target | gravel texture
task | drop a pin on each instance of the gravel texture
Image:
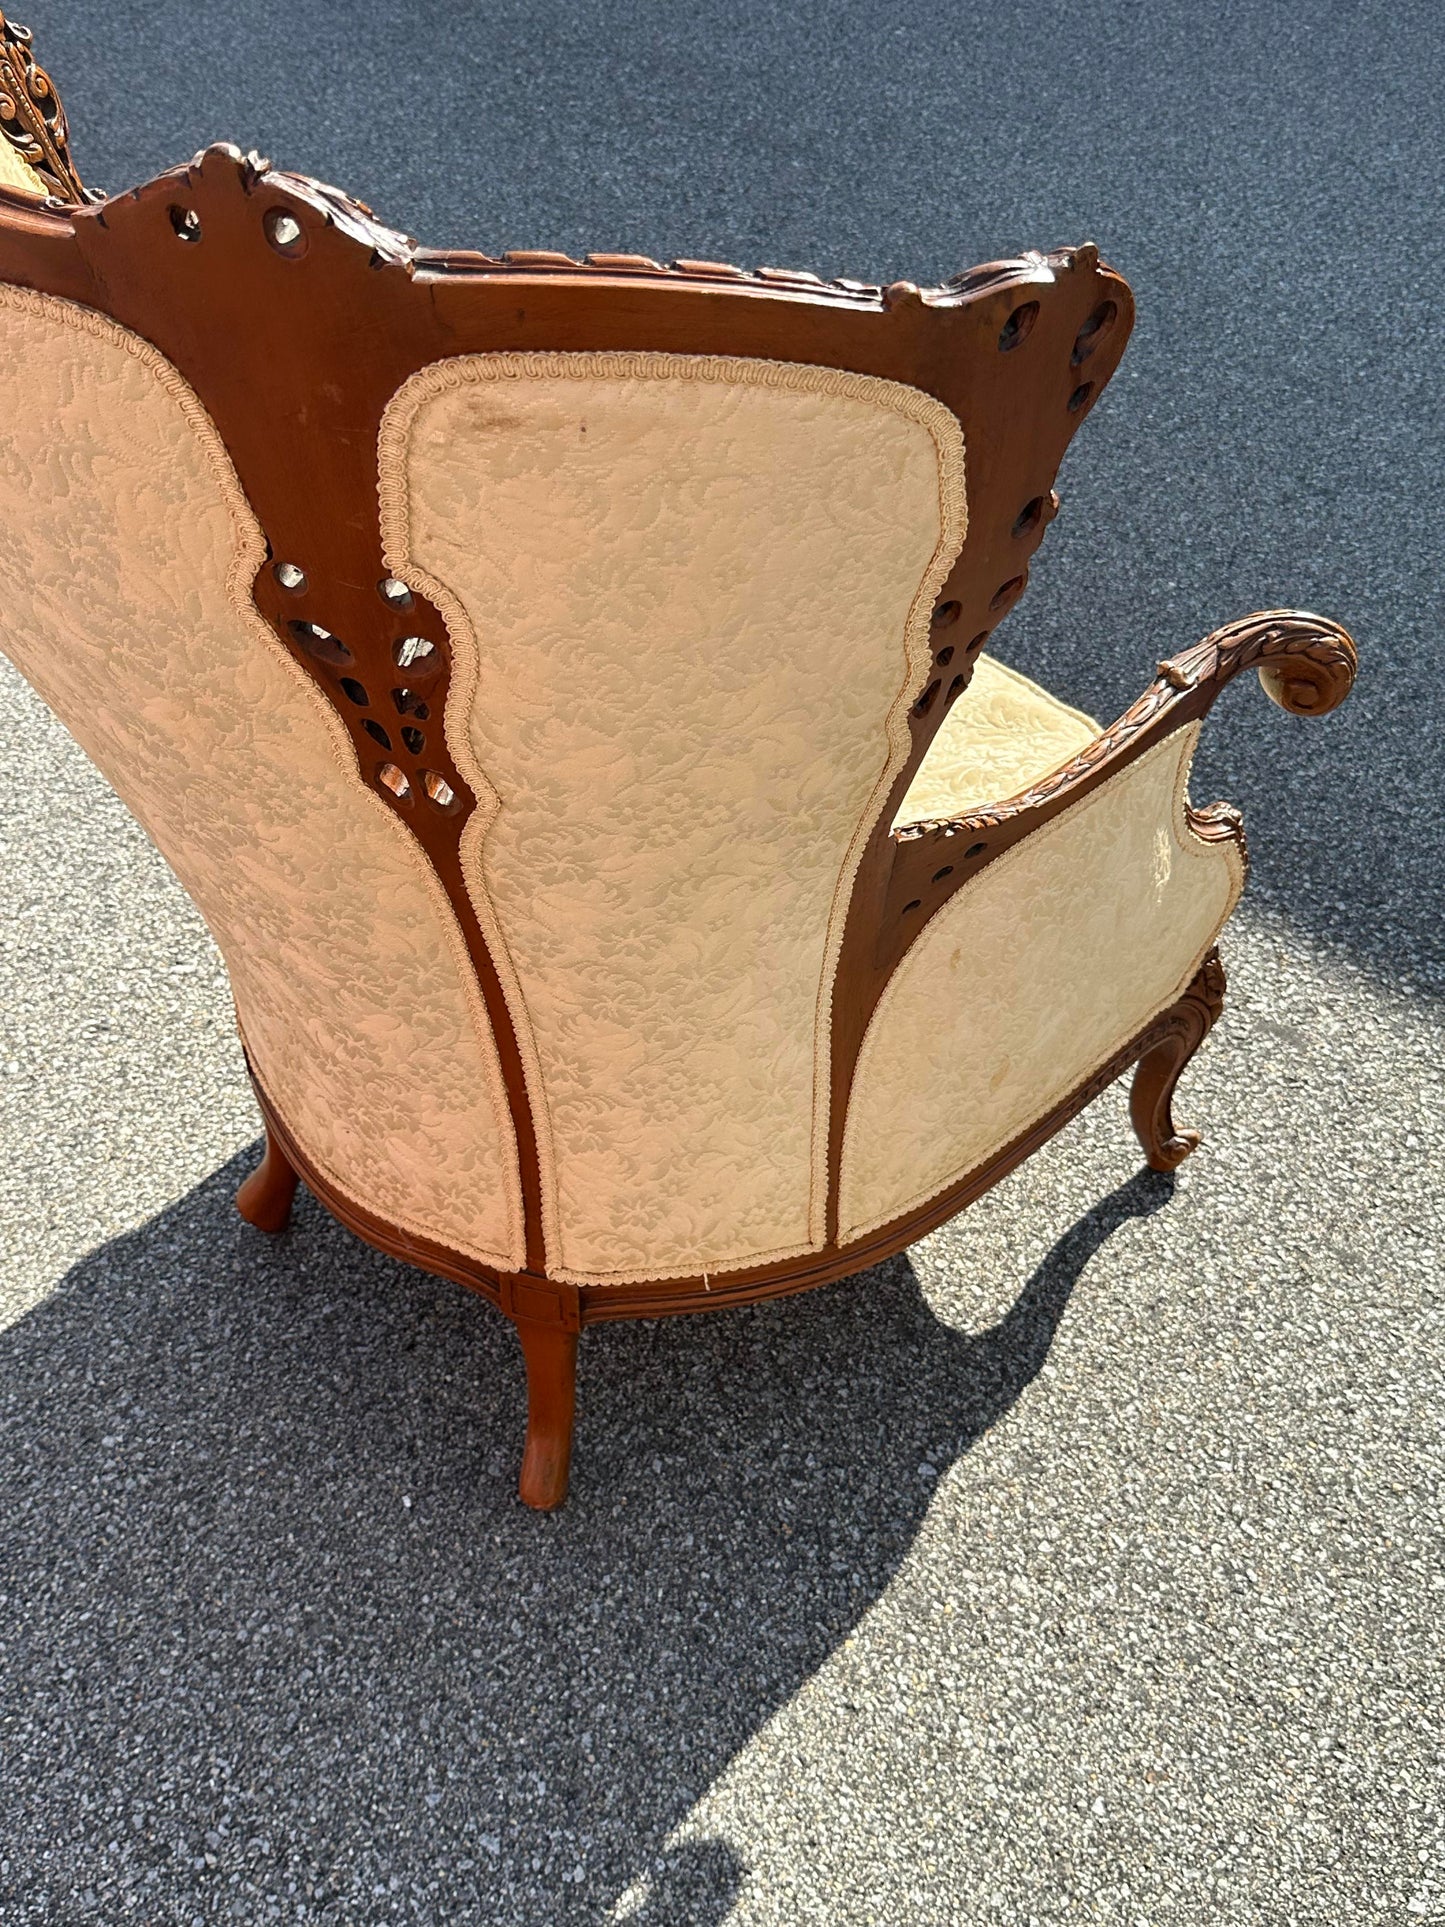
(1083, 1565)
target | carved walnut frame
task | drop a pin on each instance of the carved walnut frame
(296, 316)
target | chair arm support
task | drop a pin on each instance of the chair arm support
(1306, 664)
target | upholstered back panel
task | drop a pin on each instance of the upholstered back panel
(689, 602)
(125, 576)
(1028, 979)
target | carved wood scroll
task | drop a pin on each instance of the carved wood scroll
(31, 116)
(1306, 664)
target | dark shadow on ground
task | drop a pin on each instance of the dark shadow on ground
(275, 1629)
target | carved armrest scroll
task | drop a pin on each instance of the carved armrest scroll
(32, 119)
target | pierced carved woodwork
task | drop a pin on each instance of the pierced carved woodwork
(172, 256)
(339, 310)
(32, 119)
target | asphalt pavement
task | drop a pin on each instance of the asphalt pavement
(1083, 1565)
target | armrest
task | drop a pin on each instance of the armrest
(1306, 664)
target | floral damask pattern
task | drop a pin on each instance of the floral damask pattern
(1032, 975)
(1002, 734)
(125, 574)
(689, 603)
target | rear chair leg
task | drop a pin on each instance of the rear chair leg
(264, 1200)
(551, 1354)
(1160, 1068)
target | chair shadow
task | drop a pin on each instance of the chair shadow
(275, 1629)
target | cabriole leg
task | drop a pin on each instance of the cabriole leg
(264, 1200)
(551, 1355)
(1159, 1069)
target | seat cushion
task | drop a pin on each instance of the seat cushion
(1001, 734)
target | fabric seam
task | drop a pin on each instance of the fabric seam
(394, 442)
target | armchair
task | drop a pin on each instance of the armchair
(561, 686)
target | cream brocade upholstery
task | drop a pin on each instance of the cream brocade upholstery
(689, 598)
(15, 171)
(125, 586)
(1002, 734)
(1028, 980)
